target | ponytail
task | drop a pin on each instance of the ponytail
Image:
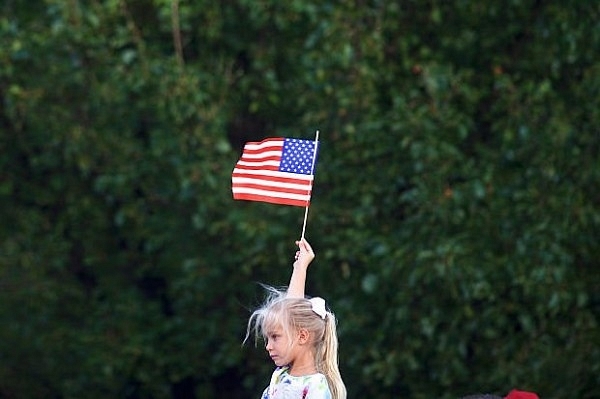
(327, 359)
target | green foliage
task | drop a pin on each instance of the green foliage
(455, 213)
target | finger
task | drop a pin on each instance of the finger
(306, 246)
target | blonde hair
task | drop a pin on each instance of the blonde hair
(293, 314)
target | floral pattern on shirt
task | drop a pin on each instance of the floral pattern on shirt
(286, 386)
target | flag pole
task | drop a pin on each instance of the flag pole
(312, 172)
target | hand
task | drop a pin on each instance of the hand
(305, 254)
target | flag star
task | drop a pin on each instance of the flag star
(297, 156)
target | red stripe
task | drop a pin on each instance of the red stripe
(272, 200)
(260, 167)
(268, 140)
(273, 144)
(275, 158)
(264, 167)
(253, 151)
(259, 186)
(277, 179)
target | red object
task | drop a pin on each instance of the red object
(516, 394)
(276, 170)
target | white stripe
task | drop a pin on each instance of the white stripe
(274, 194)
(258, 146)
(274, 173)
(246, 180)
(259, 163)
(275, 153)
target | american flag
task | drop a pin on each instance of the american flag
(276, 170)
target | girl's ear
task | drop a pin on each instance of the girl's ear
(303, 336)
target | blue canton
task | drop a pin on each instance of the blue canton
(297, 156)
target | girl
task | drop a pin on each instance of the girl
(301, 339)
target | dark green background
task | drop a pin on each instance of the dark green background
(455, 213)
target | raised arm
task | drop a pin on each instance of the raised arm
(304, 256)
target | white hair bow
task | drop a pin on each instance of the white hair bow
(318, 306)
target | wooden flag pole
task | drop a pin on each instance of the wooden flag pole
(312, 172)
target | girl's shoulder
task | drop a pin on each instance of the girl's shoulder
(283, 373)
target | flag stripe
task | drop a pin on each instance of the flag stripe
(272, 200)
(241, 183)
(275, 155)
(270, 192)
(258, 165)
(266, 143)
(272, 175)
